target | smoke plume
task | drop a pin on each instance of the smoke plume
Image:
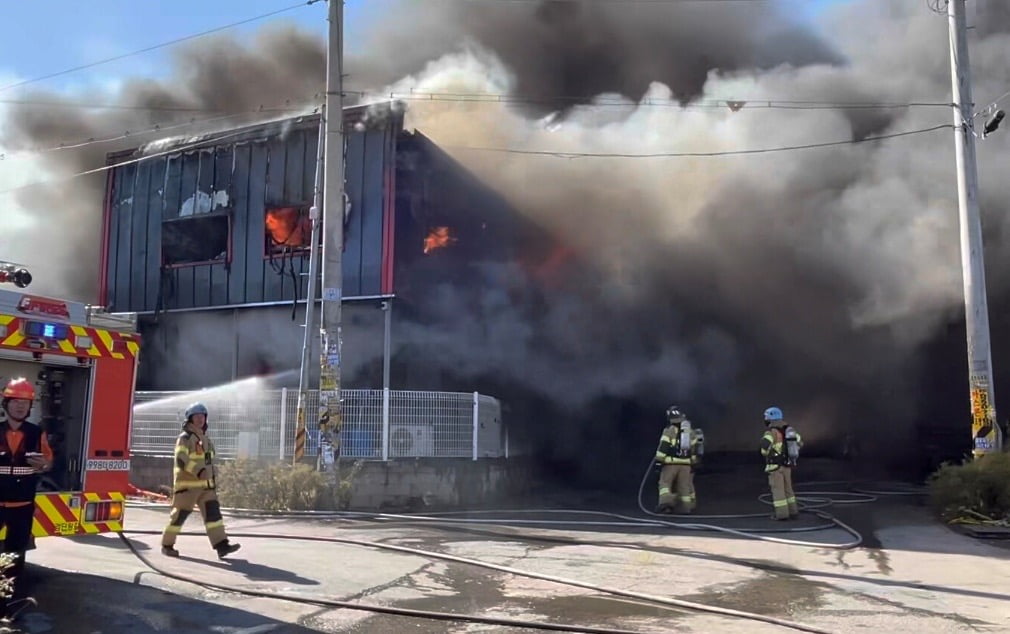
(812, 279)
(215, 83)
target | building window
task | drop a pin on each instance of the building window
(286, 229)
(199, 239)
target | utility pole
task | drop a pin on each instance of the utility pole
(330, 410)
(310, 302)
(986, 434)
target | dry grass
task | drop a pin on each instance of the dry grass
(273, 486)
(981, 486)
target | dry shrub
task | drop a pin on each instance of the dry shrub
(272, 486)
(981, 485)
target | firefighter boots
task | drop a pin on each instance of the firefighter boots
(224, 549)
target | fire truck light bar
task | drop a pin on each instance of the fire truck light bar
(43, 330)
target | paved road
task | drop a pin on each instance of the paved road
(919, 576)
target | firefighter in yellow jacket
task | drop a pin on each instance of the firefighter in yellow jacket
(194, 482)
(677, 454)
(780, 447)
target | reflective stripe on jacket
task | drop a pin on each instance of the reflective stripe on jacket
(18, 479)
(669, 447)
(194, 457)
(773, 448)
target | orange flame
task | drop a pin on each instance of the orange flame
(286, 227)
(438, 238)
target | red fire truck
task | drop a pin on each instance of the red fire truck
(83, 363)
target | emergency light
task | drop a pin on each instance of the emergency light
(44, 330)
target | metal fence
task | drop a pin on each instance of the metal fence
(378, 424)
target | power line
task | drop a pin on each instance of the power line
(732, 104)
(104, 168)
(132, 107)
(554, 153)
(158, 127)
(506, 98)
(572, 155)
(157, 46)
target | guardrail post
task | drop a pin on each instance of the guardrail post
(284, 419)
(476, 421)
(385, 424)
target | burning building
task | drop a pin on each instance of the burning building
(207, 240)
(582, 238)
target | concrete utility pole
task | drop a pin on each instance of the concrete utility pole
(330, 410)
(986, 434)
(310, 302)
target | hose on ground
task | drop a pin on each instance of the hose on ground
(655, 599)
(752, 533)
(371, 607)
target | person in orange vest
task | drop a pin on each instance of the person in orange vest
(193, 485)
(780, 447)
(24, 454)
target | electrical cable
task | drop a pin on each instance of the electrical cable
(656, 599)
(156, 128)
(174, 150)
(556, 154)
(602, 101)
(573, 155)
(154, 47)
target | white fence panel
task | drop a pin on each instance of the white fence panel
(420, 424)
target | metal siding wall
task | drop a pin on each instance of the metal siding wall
(373, 193)
(221, 273)
(170, 203)
(124, 234)
(151, 207)
(274, 196)
(205, 184)
(277, 171)
(139, 244)
(237, 291)
(113, 298)
(255, 216)
(185, 289)
(353, 176)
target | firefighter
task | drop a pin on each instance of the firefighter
(193, 485)
(676, 456)
(780, 447)
(24, 454)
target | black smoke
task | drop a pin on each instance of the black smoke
(824, 281)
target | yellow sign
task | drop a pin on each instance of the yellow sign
(983, 422)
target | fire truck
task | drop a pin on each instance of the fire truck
(83, 362)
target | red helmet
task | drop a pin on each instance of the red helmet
(20, 388)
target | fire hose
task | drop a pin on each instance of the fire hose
(666, 602)
(811, 502)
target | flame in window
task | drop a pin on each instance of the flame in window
(286, 227)
(438, 238)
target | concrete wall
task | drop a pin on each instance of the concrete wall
(398, 485)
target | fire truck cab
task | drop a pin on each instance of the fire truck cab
(83, 363)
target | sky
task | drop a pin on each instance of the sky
(70, 36)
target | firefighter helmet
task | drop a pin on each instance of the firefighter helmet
(674, 415)
(194, 409)
(20, 388)
(773, 414)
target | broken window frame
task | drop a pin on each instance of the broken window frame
(194, 219)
